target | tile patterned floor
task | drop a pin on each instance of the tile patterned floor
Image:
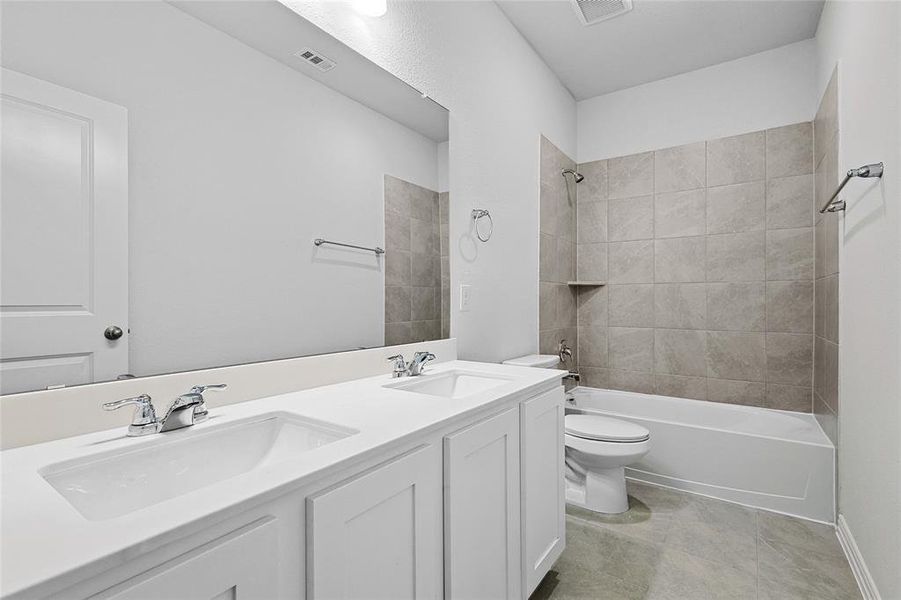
(676, 546)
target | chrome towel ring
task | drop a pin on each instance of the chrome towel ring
(477, 214)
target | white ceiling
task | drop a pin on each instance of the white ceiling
(657, 39)
(275, 29)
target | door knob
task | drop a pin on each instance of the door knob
(113, 332)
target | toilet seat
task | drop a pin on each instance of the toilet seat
(604, 429)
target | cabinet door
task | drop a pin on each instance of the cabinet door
(481, 510)
(239, 566)
(543, 501)
(378, 535)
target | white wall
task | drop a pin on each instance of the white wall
(863, 37)
(768, 89)
(236, 163)
(501, 96)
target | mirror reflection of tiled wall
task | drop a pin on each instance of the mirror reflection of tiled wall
(416, 307)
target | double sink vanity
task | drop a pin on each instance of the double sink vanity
(446, 484)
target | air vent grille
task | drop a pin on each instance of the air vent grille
(315, 59)
(595, 11)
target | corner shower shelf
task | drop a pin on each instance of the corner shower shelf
(586, 283)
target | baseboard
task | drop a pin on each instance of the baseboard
(855, 559)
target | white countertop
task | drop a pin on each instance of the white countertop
(47, 544)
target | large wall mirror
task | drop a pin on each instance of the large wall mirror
(166, 170)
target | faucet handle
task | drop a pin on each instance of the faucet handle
(201, 413)
(199, 389)
(144, 420)
(400, 365)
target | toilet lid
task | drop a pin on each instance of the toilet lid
(605, 429)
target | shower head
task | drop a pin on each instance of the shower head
(577, 176)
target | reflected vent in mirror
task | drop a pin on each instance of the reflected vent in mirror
(316, 59)
(595, 11)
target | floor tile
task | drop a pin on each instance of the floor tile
(672, 545)
(780, 529)
(789, 572)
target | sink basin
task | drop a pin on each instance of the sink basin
(451, 384)
(109, 485)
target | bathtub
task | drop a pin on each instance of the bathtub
(769, 459)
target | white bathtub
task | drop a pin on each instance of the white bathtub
(770, 459)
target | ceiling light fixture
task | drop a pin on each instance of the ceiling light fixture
(371, 8)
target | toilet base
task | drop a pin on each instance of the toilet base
(601, 490)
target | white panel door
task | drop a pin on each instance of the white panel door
(378, 536)
(242, 565)
(63, 235)
(481, 510)
(543, 487)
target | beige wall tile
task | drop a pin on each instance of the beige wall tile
(566, 307)
(630, 219)
(680, 386)
(736, 306)
(397, 304)
(547, 251)
(680, 259)
(680, 168)
(825, 123)
(592, 222)
(680, 214)
(680, 305)
(631, 305)
(593, 377)
(787, 397)
(398, 270)
(423, 238)
(736, 159)
(592, 305)
(426, 330)
(630, 348)
(398, 333)
(789, 358)
(789, 306)
(631, 381)
(594, 187)
(736, 208)
(748, 393)
(736, 257)
(547, 306)
(789, 202)
(680, 352)
(789, 254)
(735, 355)
(566, 261)
(591, 262)
(426, 303)
(789, 150)
(630, 176)
(631, 262)
(593, 346)
(548, 210)
(397, 231)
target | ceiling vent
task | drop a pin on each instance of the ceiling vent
(316, 59)
(595, 11)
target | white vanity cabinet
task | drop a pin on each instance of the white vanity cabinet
(378, 535)
(238, 566)
(543, 487)
(481, 509)
(470, 509)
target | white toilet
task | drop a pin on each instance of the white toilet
(598, 449)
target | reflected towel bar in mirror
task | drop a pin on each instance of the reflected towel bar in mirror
(320, 242)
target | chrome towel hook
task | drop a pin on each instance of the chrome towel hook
(477, 214)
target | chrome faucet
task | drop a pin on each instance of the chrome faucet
(413, 368)
(418, 363)
(186, 410)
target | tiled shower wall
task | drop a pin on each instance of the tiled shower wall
(413, 282)
(825, 355)
(557, 260)
(708, 252)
